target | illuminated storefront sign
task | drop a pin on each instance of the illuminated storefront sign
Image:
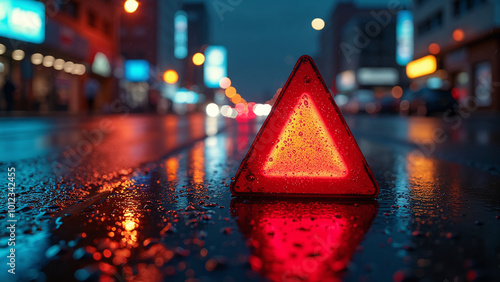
(483, 84)
(404, 37)
(420, 67)
(378, 76)
(22, 20)
(180, 35)
(136, 70)
(215, 67)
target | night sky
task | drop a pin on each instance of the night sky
(265, 38)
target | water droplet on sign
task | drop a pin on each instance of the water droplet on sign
(250, 177)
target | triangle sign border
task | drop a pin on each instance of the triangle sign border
(244, 163)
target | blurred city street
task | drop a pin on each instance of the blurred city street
(149, 199)
(217, 140)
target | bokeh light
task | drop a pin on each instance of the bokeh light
(225, 111)
(58, 64)
(68, 67)
(224, 82)
(198, 59)
(131, 6)
(236, 99)
(212, 110)
(397, 92)
(458, 34)
(2, 49)
(18, 55)
(434, 48)
(36, 59)
(78, 69)
(318, 24)
(420, 67)
(48, 61)
(230, 92)
(170, 76)
(262, 109)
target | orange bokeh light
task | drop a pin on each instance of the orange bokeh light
(397, 92)
(236, 99)
(198, 59)
(230, 92)
(458, 34)
(420, 67)
(434, 48)
(303, 145)
(170, 76)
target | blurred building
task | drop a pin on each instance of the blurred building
(164, 35)
(198, 38)
(464, 36)
(78, 42)
(358, 51)
(147, 35)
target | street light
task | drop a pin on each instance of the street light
(458, 34)
(131, 6)
(318, 24)
(198, 59)
(170, 76)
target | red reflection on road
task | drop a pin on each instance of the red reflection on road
(303, 240)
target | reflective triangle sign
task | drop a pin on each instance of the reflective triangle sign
(305, 148)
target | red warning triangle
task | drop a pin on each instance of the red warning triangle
(305, 148)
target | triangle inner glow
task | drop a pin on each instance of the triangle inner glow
(305, 148)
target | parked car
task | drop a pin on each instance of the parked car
(426, 101)
(389, 104)
(362, 100)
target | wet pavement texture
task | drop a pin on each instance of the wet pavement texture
(146, 198)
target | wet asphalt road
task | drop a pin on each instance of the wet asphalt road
(146, 198)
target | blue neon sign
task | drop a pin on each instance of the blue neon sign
(22, 20)
(215, 66)
(180, 35)
(404, 37)
(136, 70)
